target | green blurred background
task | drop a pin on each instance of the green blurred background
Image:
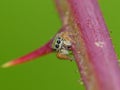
(28, 24)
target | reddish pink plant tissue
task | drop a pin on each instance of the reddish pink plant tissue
(97, 42)
(91, 44)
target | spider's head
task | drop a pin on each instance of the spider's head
(57, 43)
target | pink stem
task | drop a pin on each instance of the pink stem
(92, 47)
(99, 66)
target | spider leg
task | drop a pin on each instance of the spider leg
(64, 56)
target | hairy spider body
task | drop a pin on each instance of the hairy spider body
(62, 44)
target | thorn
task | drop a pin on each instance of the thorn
(46, 49)
(6, 65)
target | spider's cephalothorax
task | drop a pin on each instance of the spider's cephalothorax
(57, 43)
(62, 45)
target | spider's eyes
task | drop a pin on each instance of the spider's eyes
(58, 41)
(57, 45)
(59, 37)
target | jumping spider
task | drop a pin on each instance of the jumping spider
(62, 44)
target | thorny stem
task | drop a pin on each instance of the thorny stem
(93, 50)
(91, 44)
(45, 49)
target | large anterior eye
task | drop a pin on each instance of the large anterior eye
(57, 45)
(58, 41)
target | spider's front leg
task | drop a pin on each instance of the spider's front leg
(64, 56)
